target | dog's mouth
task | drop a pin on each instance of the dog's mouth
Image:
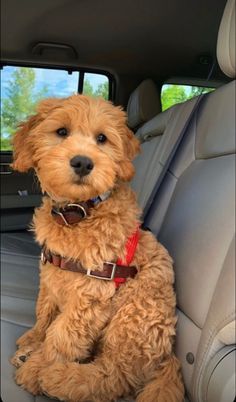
(80, 181)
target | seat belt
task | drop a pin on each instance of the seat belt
(176, 145)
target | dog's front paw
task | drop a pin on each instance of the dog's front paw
(27, 376)
(54, 381)
(21, 356)
(28, 379)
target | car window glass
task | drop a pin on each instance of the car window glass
(96, 85)
(171, 94)
(23, 87)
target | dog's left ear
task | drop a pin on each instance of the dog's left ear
(131, 149)
(132, 144)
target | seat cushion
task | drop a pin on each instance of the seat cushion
(19, 265)
(10, 391)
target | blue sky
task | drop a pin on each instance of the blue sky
(58, 82)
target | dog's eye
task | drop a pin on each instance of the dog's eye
(62, 132)
(101, 138)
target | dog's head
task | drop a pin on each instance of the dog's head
(79, 147)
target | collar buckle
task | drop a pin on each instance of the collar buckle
(80, 208)
(105, 278)
(71, 214)
(43, 257)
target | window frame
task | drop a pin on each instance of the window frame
(193, 82)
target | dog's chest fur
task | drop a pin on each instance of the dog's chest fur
(65, 287)
(100, 237)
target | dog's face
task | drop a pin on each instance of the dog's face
(79, 147)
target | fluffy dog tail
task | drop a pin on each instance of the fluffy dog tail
(166, 385)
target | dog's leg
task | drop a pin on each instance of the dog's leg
(136, 343)
(107, 379)
(69, 337)
(166, 384)
(72, 335)
(31, 340)
(95, 382)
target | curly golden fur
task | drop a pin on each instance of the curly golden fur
(92, 342)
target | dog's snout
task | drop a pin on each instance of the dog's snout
(82, 165)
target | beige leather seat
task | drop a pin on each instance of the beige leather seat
(144, 103)
(157, 137)
(194, 217)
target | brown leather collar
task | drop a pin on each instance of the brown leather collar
(73, 213)
(110, 270)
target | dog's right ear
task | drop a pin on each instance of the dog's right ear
(23, 143)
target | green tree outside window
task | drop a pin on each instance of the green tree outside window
(173, 94)
(101, 91)
(25, 88)
(20, 103)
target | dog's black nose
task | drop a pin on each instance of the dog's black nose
(82, 165)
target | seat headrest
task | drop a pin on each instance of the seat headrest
(154, 127)
(226, 40)
(144, 103)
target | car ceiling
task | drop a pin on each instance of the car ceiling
(146, 38)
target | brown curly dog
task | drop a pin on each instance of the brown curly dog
(102, 331)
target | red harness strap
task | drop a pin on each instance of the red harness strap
(130, 246)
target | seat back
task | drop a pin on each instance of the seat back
(157, 133)
(158, 137)
(193, 215)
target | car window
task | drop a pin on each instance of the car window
(23, 87)
(96, 85)
(171, 94)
